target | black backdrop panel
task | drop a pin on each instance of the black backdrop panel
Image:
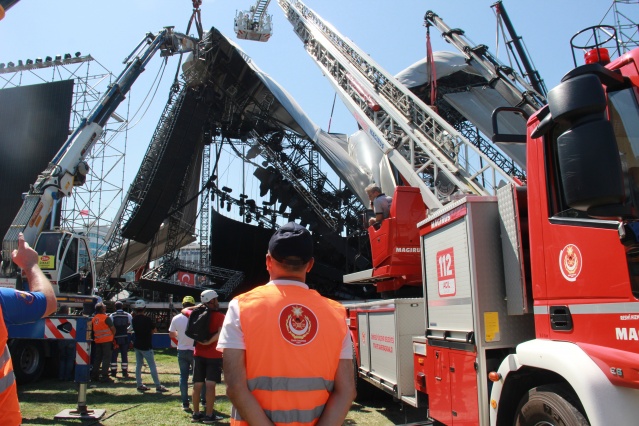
(170, 172)
(34, 123)
(240, 247)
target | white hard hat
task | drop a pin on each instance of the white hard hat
(208, 295)
(140, 304)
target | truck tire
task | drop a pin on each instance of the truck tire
(28, 360)
(550, 405)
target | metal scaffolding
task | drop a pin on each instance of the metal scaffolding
(92, 207)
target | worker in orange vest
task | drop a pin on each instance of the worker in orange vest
(18, 307)
(103, 332)
(287, 350)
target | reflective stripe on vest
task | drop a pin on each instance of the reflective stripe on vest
(101, 331)
(303, 332)
(6, 367)
(293, 384)
(281, 416)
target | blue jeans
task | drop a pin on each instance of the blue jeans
(150, 360)
(185, 361)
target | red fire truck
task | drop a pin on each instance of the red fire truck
(529, 313)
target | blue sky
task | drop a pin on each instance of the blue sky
(392, 32)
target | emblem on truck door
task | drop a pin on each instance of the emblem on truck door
(570, 262)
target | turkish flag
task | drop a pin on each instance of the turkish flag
(186, 278)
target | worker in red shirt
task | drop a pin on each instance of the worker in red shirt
(207, 370)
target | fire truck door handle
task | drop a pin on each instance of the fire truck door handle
(438, 378)
(560, 318)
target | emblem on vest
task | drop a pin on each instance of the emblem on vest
(298, 324)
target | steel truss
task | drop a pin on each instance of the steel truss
(91, 208)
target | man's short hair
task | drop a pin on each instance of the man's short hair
(118, 305)
(99, 307)
(373, 187)
(292, 245)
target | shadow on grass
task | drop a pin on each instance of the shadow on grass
(398, 413)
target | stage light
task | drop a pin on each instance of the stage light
(226, 189)
(20, 63)
(2, 65)
(77, 54)
(38, 60)
(11, 65)
(67, 56)
(29, 61)
(48, 59)
(228, 207)
(58, 57)
(243, 196)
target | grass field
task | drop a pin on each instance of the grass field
(124, 405)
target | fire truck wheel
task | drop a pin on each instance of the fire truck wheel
(554, 405)
(28, 360)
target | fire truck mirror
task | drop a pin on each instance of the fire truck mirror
(582, 150)
(585, 144)
(577, 98)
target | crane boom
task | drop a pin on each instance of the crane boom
(68, 168)
(515, 89)
(427, 151)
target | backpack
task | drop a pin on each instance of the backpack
(198, 326)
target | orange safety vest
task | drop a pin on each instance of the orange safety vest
(293, 340)
(101, 331)
(9, 405)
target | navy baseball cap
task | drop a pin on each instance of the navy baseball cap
(291, 240)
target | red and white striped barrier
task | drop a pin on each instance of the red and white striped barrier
(82, 356)
(55, 328)
(174, 342)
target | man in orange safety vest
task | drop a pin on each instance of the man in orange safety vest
(287, 350)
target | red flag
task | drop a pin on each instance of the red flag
(84, 212)
(186, 278)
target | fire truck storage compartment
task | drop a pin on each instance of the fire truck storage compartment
(386, 330)
(467, 315)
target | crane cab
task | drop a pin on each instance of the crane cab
(65, 259)
(254, 24)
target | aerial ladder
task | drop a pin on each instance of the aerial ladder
(254, 24)
(426, 151)
(518, 92)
